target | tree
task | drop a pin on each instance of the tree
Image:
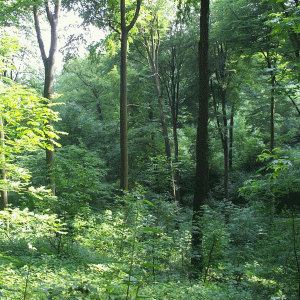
(175, 53)
(48, 61)
(222, 75)
(202, 181)
(123, 91)
(108, 13)
(150, 32)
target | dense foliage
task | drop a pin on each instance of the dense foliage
(93, 240)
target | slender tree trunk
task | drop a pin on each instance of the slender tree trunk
(152, 53)
(50, 156)
(162, 117)
(153, 65)
(176, 154)
(225, 146)
(272, 113)
(202, 181)
(123, 108)
(174, 105)
(123, 92)
(223, 131)
(4, 199)
(231, 137)
(165, 131)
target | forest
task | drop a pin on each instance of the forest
(150, 150)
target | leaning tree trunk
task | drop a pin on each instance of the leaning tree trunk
(202, 181)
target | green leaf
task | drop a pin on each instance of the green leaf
(148, 202)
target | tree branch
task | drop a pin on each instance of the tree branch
(39, 35)
(137, 11)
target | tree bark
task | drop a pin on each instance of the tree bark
(202, 179)
(123, 107)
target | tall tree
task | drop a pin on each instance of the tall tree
(48, 61)
(202, 180)
(123, 91)
(106, 13)
(151, 33)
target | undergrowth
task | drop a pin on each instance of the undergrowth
(142, 251)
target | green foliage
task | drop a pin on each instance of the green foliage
(136, 246)
(23, 116)
(80, 179)
(280, 176)
(142, 250)
(8, 46)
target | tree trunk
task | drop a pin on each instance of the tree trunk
(152, 53)
(162, 117)
(48, 89)
(123, 92)
(223, 131)
(123, 109)
(153, 65)
(272, 113)
(49, 62)
(174, 105)
(202, 180)
(231, 137)
(4, 200)
(225, 146)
